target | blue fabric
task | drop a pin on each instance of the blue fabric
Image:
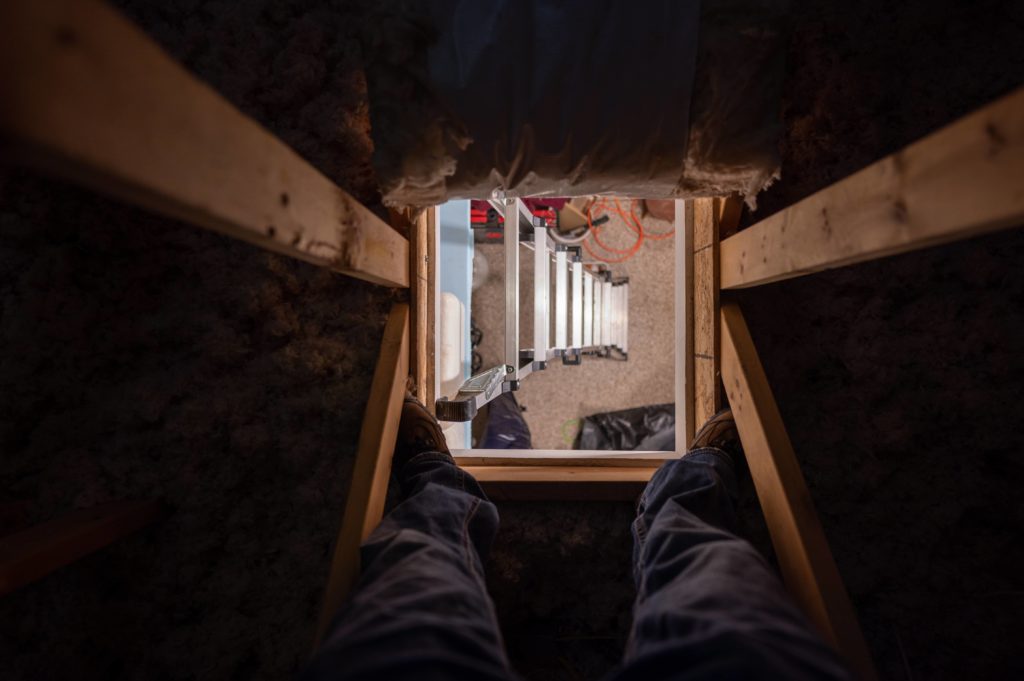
(506, 427)
(708, 606)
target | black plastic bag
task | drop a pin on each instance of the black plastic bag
(650, 428)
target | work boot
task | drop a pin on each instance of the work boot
(720, 432)
(418, 432)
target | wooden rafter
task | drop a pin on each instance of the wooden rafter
(364, 506)
(422, 271)
(35, 552)
(964, 180)
(87, 96)
(804, 557)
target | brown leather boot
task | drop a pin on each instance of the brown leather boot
(720, 432)
(418, 432)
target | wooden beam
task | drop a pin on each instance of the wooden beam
(959, 182)
(561, 458)
(804, 557)
(704, 223)
(422, 296)
(364, 506)
(88, 97)
(706, 394)
(31, 554)
(569, 483)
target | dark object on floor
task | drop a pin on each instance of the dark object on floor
(646, 428)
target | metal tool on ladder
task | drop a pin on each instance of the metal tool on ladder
(591, 313)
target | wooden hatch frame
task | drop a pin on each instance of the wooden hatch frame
(88, 97)
(595, 475)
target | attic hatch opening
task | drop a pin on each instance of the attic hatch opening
(576, 308)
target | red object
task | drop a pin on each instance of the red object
(542, 208)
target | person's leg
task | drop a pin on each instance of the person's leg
(506, 427)
(420, 609)
(708, 605)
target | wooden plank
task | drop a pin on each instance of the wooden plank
(430, 381)
(364, 506)
(706, 394)
(704, 233)
(569, 483)
(683, 309)
(87, 96)
(435, 282)
(959, 182)
(420, 294)
(561, 474)
(705, 302)
(804, 557)
(560, 457)
(31, 554)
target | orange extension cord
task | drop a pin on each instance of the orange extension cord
(632, 222)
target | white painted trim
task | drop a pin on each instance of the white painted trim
(684, 328)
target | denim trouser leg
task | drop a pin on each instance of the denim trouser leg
(506, 427)
(421, 610)
(708, 606)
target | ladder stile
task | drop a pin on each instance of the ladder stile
(512, 288)
(577, 303)
(626, 317)
(621, 316)
(606, 313)
(541, 295)
(614, 321)
(561, 299)
(588, 310)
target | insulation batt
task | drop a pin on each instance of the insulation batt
(667, 99)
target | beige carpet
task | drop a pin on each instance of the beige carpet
(557, 398)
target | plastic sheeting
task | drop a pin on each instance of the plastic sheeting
(649, 428)
(663, 99)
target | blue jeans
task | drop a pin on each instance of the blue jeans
(506, 427)
(707, 606)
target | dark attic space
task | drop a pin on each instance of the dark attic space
(147, 358)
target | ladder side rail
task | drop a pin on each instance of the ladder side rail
(541, 296)
(577, 303)
(511, 289)
(561, 299)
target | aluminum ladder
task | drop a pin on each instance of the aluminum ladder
(595, 305)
